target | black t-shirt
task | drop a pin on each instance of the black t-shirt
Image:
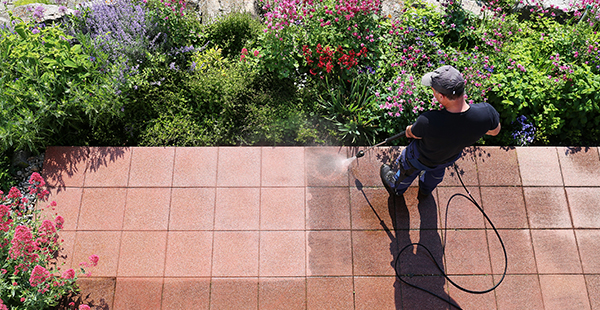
(445, 134)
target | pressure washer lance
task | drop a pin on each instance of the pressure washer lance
(361, 153)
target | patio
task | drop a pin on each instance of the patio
(307, 228)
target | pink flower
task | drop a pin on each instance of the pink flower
(94, 259)
(2, 305)
(59, 220)
(22, 299)
(69, 274)
(14, 193)
(39, 274)
(22, 243)
(84, 307)
(256, 53)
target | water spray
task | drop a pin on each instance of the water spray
(361, 153)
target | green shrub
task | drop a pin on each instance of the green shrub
(49, 89)
(544, 73)
(352, 108)
(231, 32)
(5, 176)
(26, 2)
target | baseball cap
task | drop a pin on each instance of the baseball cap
(446, 80)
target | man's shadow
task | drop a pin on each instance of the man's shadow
(415, 264)
(421, 264)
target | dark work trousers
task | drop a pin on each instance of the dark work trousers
(409, 167)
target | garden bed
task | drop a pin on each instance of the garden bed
(153, 73)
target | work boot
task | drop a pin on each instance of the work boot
(422, 195)
(388, 178)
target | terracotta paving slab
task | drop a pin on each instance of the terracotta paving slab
(554, 251)
(138, 293)
(313, 228)
(186, 293)
(195, 166)
(234, 293)
(327, 208)
(547, 207)
(189, 254)
(593, 287)
(282, 293)
(105, 244)
(108, 167)
(505, 206)
(377, 293)
(328, 253)
(498, 167)
(539, 166)
(282, 166)
(529, 293)
(579, 166)
(192, 209)
(588, 242)
(519, 251)
(282, 253)
(564, 291)
(329, 293)
(151, 167)
(584, 203)
(282, 208)
(475, 283)
(102, 209)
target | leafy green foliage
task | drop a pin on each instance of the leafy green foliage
(5, 176)
(231, 32)
(352, 108)
(48, 88)
(25, 2)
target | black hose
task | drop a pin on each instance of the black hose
(472, 200)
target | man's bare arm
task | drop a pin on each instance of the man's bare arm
(409, 133)
(494, 131)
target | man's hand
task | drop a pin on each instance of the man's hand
(409, 133)
(494, 131)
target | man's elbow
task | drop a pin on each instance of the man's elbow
(494, 131)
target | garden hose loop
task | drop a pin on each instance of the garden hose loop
(416, 244)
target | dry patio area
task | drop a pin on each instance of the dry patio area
(297, 228)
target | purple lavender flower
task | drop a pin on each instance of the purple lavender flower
(38, 13)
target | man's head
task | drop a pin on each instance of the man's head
(445, 80)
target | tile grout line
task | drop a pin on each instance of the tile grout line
(260, 154)
(351, 237)
(573, 225)
(304, 177)
(212, 255)
(487, 237)
(122, 225)
(168, 227)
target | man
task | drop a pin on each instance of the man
(440, 136)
